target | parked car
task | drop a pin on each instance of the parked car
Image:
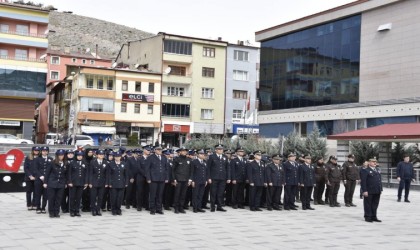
(12, 139)
(83, 140)
(120, 142)
(53, 138)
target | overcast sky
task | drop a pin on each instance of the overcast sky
(230, 19)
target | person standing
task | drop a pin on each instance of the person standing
(333, 176)
(351, 177)
(77, 181)
(307, 182)
(405, 175)
(65, 202)
(181, 174)
(290, 168)
(275, 182)
(88, 157)
(169, 189)
(133, 166)
(96, 181)
(28, 168)
(55, 181)
(40, 168)
(199, 177)
(371, 184)
(239, 177)
(256, 177)
(320, 181)
(117, 180)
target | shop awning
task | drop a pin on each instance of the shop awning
(98, 130)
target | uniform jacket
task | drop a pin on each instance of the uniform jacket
(219, 168)
(238, 170)
(97, 173)
(371, 181)
(40, 166)
(142, 166)
(55, 176)
(350, 171)
(274, 174)
(291, 172)
(405, 170)
(77, 173)
(28, 168)
(320, 171)
(181, 168)
(200, 172)
(157, 170)
(117, 175)
(333, 172)
(256, 174)
(133, 166)
(307, 175)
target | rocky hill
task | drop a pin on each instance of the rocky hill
(81, 32)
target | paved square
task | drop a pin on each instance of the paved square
(333, 228)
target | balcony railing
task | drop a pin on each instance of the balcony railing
(23, 34)
(21, 58)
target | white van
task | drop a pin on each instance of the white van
(83, 140)
(52, 138)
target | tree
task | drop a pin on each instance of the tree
(400, 149)
(364, 151)
(316, 146)
(201, 142)
(294, 143)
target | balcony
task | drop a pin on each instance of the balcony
(177, 58)
(34, 40)
(176, 99)
(99, 93)
(24, 34)
(177, 79)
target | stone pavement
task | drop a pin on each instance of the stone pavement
(333, 228)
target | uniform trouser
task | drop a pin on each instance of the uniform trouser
(197, 195)
(106, 199)
(155, 196)
(75, 195)
(319, 189)
(188, 197)
(370, 204)
(228, 194)
(238, 194)
(216, 193)
(130, 194)
(180, 193)
(96, 196)
(298, 191)
(168, 195)
(30, 188)
(255, 193)
(246, 200)
(39, 192)
(306, 196)
(117, 197)
(65, 200)
(273, 196)
(334, 187)
(264, 197)
(86, 199)
(141, 185)
(289, 196)
(206, 196)
(327, 193)
(54, 200)
(404, 184)
(349, 191)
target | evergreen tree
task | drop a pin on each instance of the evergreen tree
(363, 151)
(316, 146)
(294, 143)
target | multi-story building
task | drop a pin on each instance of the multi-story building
(347, 68)
(193, 82)
(242, 69)
(23, 70)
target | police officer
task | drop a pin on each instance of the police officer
(181, 173)
(290, 168)
(96, 180)
(169, 190)
(199, 177)
(133, 167)
(333, 176)
(40, 168)
(77, 181)
(157, 174)
(55, 181)
(275, 182)
(351, 177)
(239, 177)
(219, 175)
(106, 200)
(228, 187)
(117, 180)
(256, 177)
(142, 187)
(89, 155)
(65, 202)
(320, 181)
(307, 182)
(405, 175)
(28, 168)
(371, 185)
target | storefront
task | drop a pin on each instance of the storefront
(240, 129)
(99, 134)
(175, 135)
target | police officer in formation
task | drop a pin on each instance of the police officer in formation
(290, 168)
(199, 176)
(219, 175)
(333, 176)
(97, 182)
(257, 180)
(28, 168)
(41, 164)
(77, 180)
(275, 181)
(351, 177)
(55, 181)
(181, 174)
(117, 179)
(307, 182)
(371, 185)
(239, 178)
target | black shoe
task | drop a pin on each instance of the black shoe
(186, 207)
(312, 199)
(43, 211)
(258, 209)
(368, 220)
(114, 213)
(119, 212)
(108, 209)
(176, 211)
(241, 207)
(38, 211)
(182, 211)
(167, 208)
(332, 205)
(315, 202)
(321, 202)
(77, 214)
(221, 209)
(303, 208)
(348, 205)
(376, 220)
(127, 207)
(212, 209)
(98, 213)
(139, 209)
(159, 212)
(286, 208)
(399, 200)
(270, 209)
(72, 214)
(311, 208)
(201, 210)
(93, 213)
(52, 216)
(293, 208)
(337, 205)
(406, 200)
(152, 212)
(235, 207)
(103, 210)
(57, 216)
(353, 205)
(252, 209)
(276, 208)
(205, 207)
(64, 211)
(195, 210)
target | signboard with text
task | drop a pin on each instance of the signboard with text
(137, 97)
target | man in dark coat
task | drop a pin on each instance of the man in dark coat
(256, 177)
(351, 177)
(320, 181)
(77, 180)
(199, 177)
(405, 175)
(133, 167)
(239, 177)
(275, 181)
(290, 168)
(181, 174)
(97, 181)
(371, 184)
(307, 182)
(333, 176)
(117, 179)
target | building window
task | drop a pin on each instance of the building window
(240, 94)
(124, 86)
(240, 55)
(96, 104)
(137, 108)
(4, 28)
(55, 60)
(74, 60)
(206, 114)
(84, 61)
(138, 86)
(301, 128)
(54, 75)
(207, 93)
(175, 110)
(176, 91)
(151, 87)
(150, 109)
(92, 62)
(240, 75)
(177, 70)
(97, 107)
(100, 83)
(110, 84)
(208, 72)
(4, 53)
(89, 84)
(21, 54)
(209, 52)
(178, 47)
(123, 107)
(237, 114)
(22, 29)
(61, 116)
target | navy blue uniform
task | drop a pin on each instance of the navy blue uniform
(371, 183)
(117, 180)
(97, 180)
(405, 172)
(169, 189)
(199, 176)
(77, 179)
(275, 179)
(133, 166)
(40, 169)
(219, 170)
(307, 179)
(256, 177)
(55, 178)
(181, 172)
(291, 183)
(141, 184)
(238, 175)
(28, 168)
(157, 173)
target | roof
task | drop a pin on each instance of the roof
(195, 38)
(386, 132)
(76, 55)
(24, 6)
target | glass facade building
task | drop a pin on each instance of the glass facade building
(20, 80)
(312, 67)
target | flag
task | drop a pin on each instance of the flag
(244, 111)
(248, 104)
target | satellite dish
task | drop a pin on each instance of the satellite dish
(136, 65)
(87, 50)
(168, 70)
(114, 65)
(43, 56)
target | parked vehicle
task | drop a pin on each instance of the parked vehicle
(12, 139)
(120, 142)
(83, 140)
(53, 138)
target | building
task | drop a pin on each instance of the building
(193, 82)
(343, 69)
(108, 103)
(23, 70)
(242, 69)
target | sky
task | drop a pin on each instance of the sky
(231, 20)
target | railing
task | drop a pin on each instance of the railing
(24, 34)
(21, 58)
(392, 174)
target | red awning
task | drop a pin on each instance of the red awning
(386, 132)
